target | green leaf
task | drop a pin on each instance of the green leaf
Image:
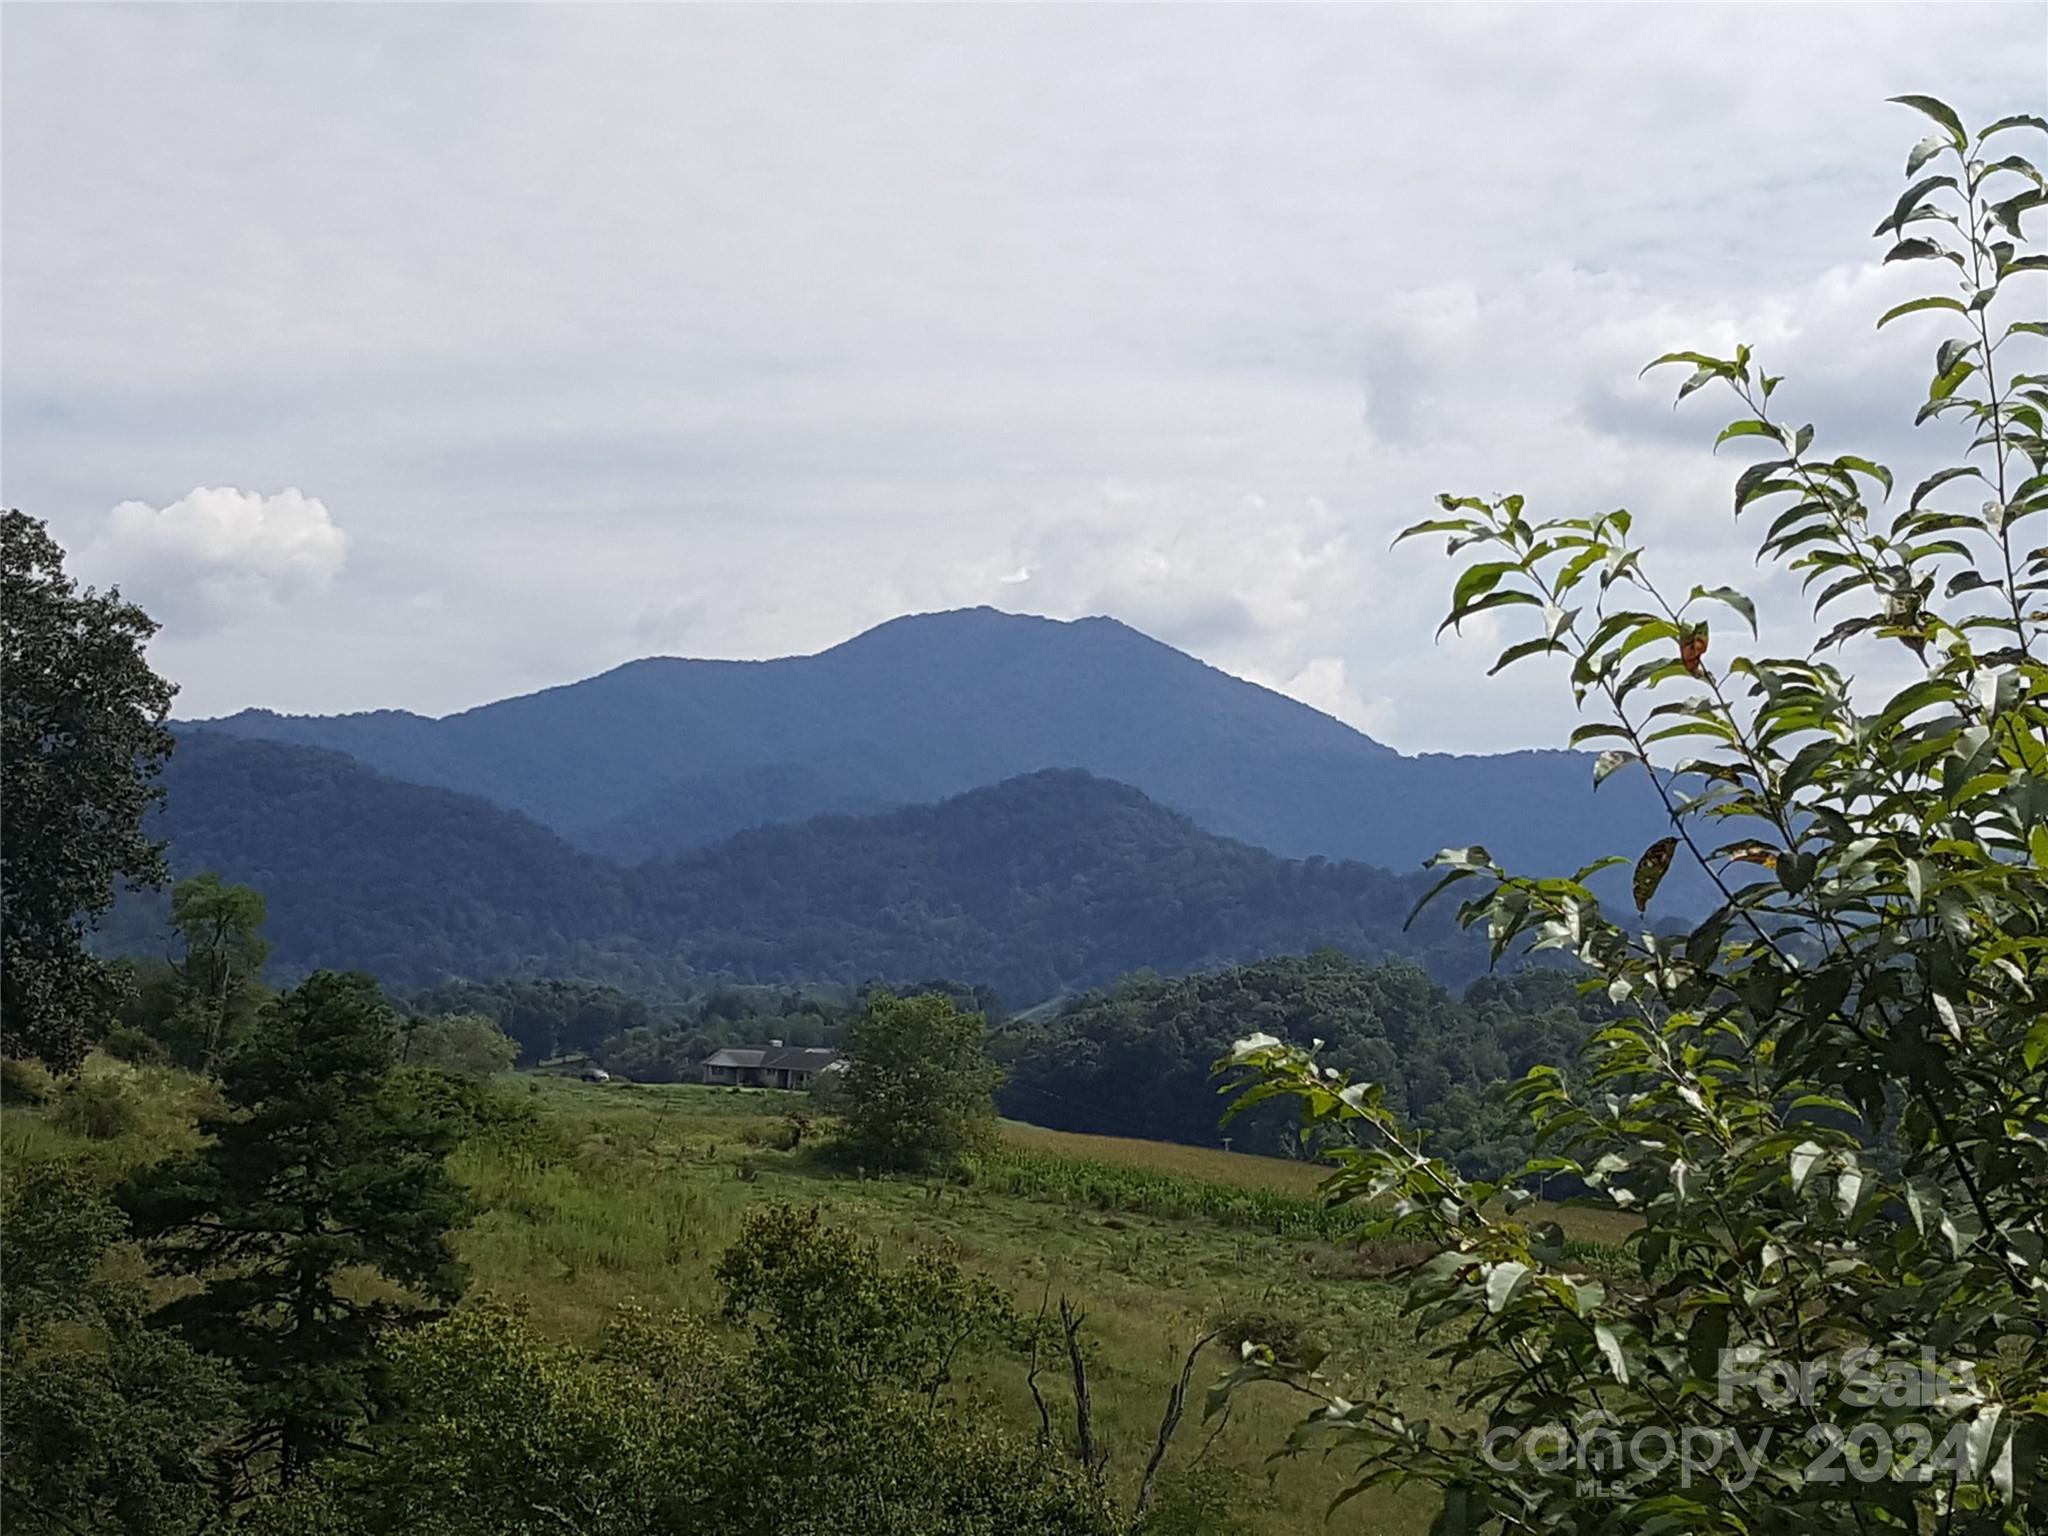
(1911, 199)
(1914, 306)
(1940, 478)
(1733, 599)
(1432, 893)
(1751, 483)
(1805, 1158)
(1481, 578)
(1950, 381)
(1608, 762)
(1751, 428)
(2008, 212)
(1864, 466)
(1515, 653)
(2017, 165)
(1941, 112)
(1492, 600)
(1595, 731)
(1697, 359)
(1651, 869)
(1700, 378)
(2017, 120)
(1610, 1346)
(2035, 1051)
(1472, 856)
(1926, 150)
(1913, 250)
(1504, 1282)
(1796, 871)
(1435, 525)
(1705, 1340)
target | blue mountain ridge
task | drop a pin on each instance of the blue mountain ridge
(666, 754)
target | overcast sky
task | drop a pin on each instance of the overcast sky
(415, 356)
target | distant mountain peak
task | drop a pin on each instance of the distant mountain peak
(666, 754)
(947, 624)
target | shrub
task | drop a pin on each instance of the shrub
(126, 1043)
(467, 1043)
(782, 1136)
(1284, 1336)
(99, 1106)
(24, 1082)
(1204, 1499)
(474, 1110)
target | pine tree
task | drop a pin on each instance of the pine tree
(314, 1171)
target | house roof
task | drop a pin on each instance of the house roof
(803, 1058)
(773, 1058)
(735, 1056)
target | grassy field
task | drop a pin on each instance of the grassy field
(637, 1190)
(1275, 1195)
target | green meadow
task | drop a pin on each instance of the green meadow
(631, 1192)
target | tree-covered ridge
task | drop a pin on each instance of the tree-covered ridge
(1136, 1059)
(666, 754)
(1043, 885)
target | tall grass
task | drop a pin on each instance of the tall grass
(1107, 1186)
(111, 1116)
(1198, 1183)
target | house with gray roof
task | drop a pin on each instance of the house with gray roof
(773, 1065)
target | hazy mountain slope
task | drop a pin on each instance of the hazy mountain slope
(663, 755)
(360, 870)
(1035, 886)
(927, 705)
(716, 805)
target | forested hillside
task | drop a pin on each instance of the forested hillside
(1135, 1059)
(664, 754)
(1042, 885)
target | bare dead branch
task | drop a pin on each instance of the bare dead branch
(1084, 1409)
(1031, 1376)
(1176, 1404)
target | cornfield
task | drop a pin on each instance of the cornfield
(1265, 1194)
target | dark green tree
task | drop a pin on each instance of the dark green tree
(919, 1088)
(317, 1171)
(82, 735)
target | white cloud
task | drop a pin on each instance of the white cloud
(216, 553)
(736, 330)
(1244, 579)
(1323, 684)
